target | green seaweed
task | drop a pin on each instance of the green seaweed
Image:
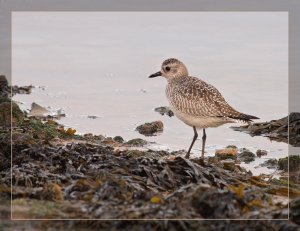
(38, 129)
(292, 165)
(4, 99)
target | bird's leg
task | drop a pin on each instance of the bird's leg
(194, 139)
(203, 142)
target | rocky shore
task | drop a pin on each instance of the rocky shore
(286, 129)
(58, 174)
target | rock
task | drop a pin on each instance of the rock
(38, 111)
(246, 156)
(118, 139)
(150, 129)
(98, 139)
(278, 130)
(283, 164)
(41, 131)
(228, 164)
(23, 139)
(3, 81)
(231, 146)
(143, 91)
(164, 111)
(202, 201)
(3, 86)
(22, 90)
(137, 142)
(270, 163)
(133, 153)
(17, 114)
(8, 109)
(92, 117)
(295, 210)
(6, 90)
(260, 153)
(292, 166)
(226, 153)
(294, 116)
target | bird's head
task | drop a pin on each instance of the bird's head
(170, 69)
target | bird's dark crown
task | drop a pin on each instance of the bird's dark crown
(169, 61)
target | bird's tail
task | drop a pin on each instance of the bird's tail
(244, 117)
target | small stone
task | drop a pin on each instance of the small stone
(260, 153)
(149, 129)
(92, 117)
(226, 153)
(134, 153)
(270, 163)
(291, 164)
(136, 142)
(246, 156)
(118, 139)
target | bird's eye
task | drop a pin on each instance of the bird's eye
(168, 68)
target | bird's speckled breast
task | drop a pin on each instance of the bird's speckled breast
(197, 121)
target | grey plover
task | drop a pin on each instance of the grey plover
(196, 103)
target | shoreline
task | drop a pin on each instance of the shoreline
(93, 176)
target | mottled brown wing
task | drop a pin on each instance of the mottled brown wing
(197, 98)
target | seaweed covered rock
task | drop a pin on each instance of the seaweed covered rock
(22, 89)
(291, 163)
(270, 163)
(58, 174)
(10, 113)
(118, 139)
(8, 91)
(150, 129)
(4, 89)
(295, 210)
(203, 200)
(132, 184)
(246, 156)
(276, 129)
(136, 142)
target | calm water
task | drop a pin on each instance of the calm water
(98, 63)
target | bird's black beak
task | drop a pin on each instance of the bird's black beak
(155, 74)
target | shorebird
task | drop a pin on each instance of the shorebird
(196, 103)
